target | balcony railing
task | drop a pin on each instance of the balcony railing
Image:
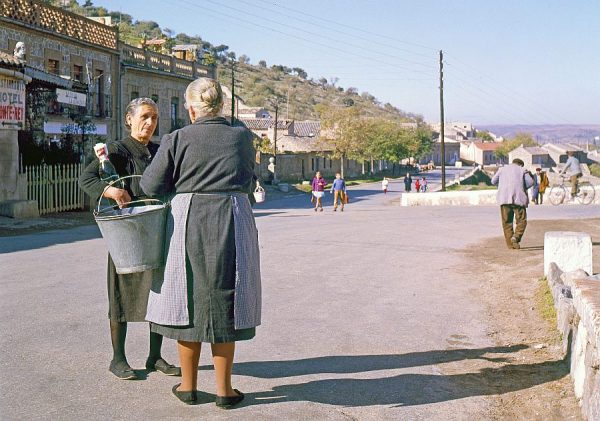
(43, 16)
(151, 60)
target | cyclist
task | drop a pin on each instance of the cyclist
(574, 168)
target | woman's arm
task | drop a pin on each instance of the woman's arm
(158, 177)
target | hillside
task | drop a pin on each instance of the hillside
(259, 85)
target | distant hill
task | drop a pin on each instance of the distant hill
(301, 97)
(549, 133)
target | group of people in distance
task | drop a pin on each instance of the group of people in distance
(420, 184)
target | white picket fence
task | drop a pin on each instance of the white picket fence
(55, 187)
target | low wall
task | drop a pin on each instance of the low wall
(450, 198)
(577, 302)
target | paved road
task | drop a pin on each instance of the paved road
(361, 311)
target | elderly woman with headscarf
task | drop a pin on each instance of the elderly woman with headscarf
(211, 290)
(128, 293)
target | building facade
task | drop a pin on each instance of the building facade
(69, 57)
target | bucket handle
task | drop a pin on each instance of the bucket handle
(98, 211)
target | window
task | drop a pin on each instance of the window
(77, 72)
(174, 112)
(154, 98)
(134, 95)
(53, 66)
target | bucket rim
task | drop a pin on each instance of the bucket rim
(98, 216)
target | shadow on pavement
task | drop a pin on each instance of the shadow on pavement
(400, 390)
(361, 363)
(48, 238)
(416, 389)
(302, 201)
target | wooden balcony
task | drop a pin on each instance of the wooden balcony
(146, 59)
(37, 15)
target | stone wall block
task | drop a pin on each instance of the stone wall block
(569, 250)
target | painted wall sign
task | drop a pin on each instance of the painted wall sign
(12, 102)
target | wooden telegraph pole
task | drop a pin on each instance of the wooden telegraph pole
(442, 146)
(232, 90)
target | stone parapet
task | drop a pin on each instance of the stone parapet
(577, 302)
(450, 198)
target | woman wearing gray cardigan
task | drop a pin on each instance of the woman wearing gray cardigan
(211, 288)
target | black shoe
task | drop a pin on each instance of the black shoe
(227, 402)
(122, 370)
(188, 398)
(164, 367)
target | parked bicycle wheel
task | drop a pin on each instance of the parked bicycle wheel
(586, 193)
(557, 195)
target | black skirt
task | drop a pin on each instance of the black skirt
(128, 293)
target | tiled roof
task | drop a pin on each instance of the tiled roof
(563, 147)
(155, 41)
(298, 144)
(257, 123)
(487, 146)
(9, 59)
(308, 128)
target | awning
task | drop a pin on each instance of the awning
(50, 78)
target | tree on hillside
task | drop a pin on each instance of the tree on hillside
(340, 132)
(485, 136)
(262, 64)
(301, 73)
(524, 139)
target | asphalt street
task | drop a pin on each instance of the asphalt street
(361, 309)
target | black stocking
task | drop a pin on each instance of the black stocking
(155, 345)
(118, 333)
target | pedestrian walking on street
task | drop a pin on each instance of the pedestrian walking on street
(338, 188)
(407, 183)
(384, 185)
(417, 186)
(513, 181)
(128, 293)
(543, 183)
(212, 288)
(573, 167)
(423, 185)
(318, 190)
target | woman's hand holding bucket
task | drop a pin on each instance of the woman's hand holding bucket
(118, 195)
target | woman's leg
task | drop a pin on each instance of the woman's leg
(189, 356)
(118, 333)
(156, 341)
(223, 362)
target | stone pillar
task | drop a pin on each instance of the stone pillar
(569, 250)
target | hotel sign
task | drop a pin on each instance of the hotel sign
(12, 102)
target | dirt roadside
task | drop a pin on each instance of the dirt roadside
(533, 383)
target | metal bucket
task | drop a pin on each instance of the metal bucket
(135, 236)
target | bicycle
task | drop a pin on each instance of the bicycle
(585, 192)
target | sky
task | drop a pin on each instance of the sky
(505, 62)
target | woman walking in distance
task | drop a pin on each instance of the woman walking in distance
(211, 290)
(128, 293)
(318, 190)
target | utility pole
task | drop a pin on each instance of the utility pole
(442, 146)
(275, 132)
(232, 90)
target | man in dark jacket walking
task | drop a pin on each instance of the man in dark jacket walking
(513, 181)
